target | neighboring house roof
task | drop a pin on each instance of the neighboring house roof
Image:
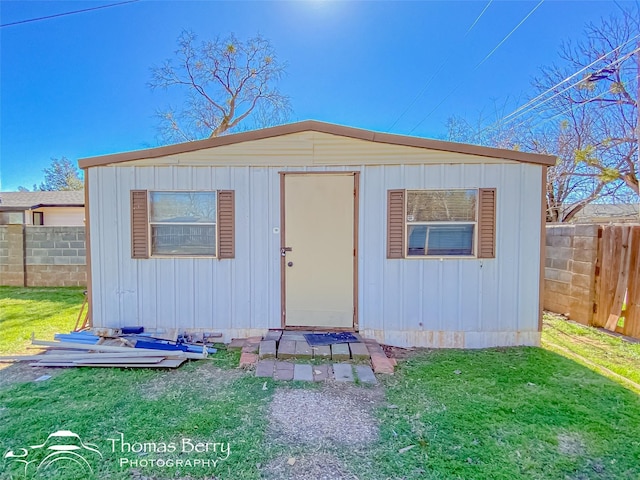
(315, 126)
(30, 200)
(608, 211)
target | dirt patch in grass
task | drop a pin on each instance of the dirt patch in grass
(335, 415)
(571, 444)
(201, 376)
(399, 353)
(11, 374)
(138, 475)
(312, 466)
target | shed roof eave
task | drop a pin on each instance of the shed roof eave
(316, 126)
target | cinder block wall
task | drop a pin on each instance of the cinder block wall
(571, 254)
(11, 255)
(52, 256)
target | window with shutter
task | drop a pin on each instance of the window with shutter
(226, 224)
(182, 223)
(139, 224)
(487, 223)
(441, 223)
(395, 223)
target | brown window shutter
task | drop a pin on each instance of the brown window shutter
(487, 223)
(226, 224)
(139, 224)
(395, 223)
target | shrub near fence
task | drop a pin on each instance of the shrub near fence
(38, 256)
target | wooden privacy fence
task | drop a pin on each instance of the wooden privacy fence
(617, 281)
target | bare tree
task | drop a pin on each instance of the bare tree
(601, 109)
(487, 129)
(225, 82)
(589, 122)
(570, 185)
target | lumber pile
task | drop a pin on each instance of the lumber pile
(112, 348)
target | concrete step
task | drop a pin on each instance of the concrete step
(359, 351)
(268, 349)
(322, 352)
(274, 335)
(303, 350)
(340, 352)
(286, 349)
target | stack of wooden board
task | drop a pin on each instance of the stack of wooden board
(86, 354)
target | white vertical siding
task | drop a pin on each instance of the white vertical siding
(465, 302)
(494, 301)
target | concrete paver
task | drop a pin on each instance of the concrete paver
(303, 350)
(322, 352)
(303, 372)
(381, 363)
(322, 372)
(340, 352)
(286, 349)
(248, 359)
(251, 346)
(273, 335)
(265, 368)
(268, 349)
(295, 336)
(359, 351)
(365, 374)
(343, 372)
(283, 371)
(236, 344)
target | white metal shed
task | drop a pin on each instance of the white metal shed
(411, 241)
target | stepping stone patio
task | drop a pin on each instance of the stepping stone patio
(270, 354)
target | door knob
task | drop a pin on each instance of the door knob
(290, 264)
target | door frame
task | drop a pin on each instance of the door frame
(356, 216)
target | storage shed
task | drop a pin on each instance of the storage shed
(315, 226)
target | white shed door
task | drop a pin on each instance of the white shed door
(318, 270)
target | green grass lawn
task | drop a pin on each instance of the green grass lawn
(608, 351)
(45, 311)
(507, 413)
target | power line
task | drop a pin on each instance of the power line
(435, 74)
(509, 34)
(65, 13)
(479, 17)
(571, 108)
(532, 101)
(530, 106)
(612, 64)
(459, 84)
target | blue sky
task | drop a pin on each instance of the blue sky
(76, 85)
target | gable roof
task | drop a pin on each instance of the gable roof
(31, 200)
(315, 126)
